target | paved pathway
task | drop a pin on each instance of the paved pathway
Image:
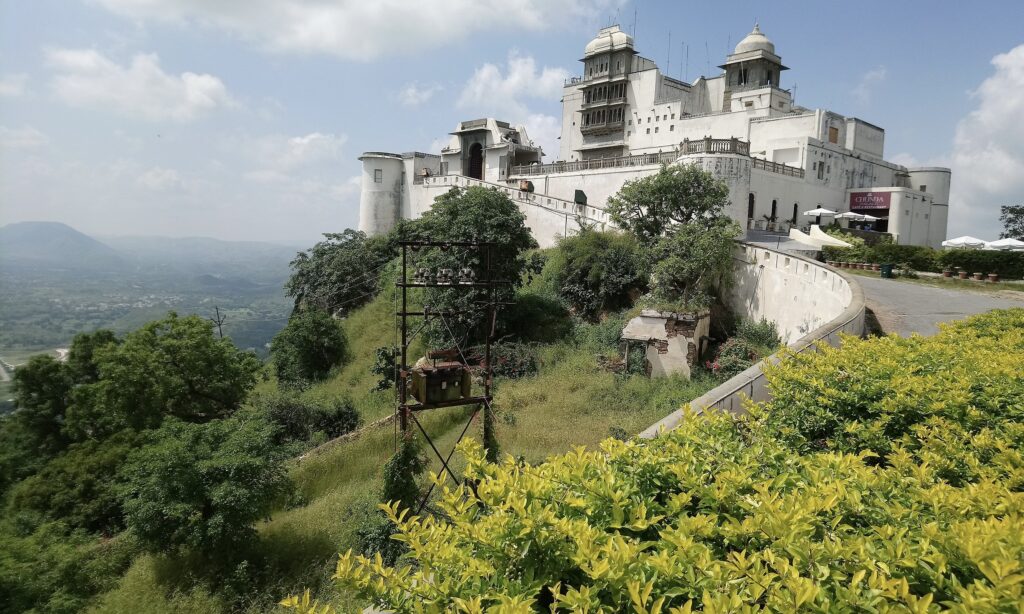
(904, 307)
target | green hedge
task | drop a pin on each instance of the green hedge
(1007, 264)
(895, 483)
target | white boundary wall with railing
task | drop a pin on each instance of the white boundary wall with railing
(809, 301)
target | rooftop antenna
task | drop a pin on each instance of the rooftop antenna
(707, 58)
(634, 24)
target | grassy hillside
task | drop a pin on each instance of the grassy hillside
(570, 402)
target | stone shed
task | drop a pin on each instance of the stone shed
(674, 341)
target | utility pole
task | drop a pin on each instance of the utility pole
(219, 321)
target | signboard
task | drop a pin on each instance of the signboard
(869, 201)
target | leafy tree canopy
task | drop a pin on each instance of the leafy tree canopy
(203, 486)
(472, 214)
(1012, 217)
(339, 273)
(171, 367)
(692, 261)
(676, 194)
(596, 271)
(307, 348)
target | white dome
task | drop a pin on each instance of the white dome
(609, 39)
(755, 41)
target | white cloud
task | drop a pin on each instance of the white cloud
(869, 81)
(86, 78)
(13, 85)
(987, 158)
(491, 92)
(413, 94)
(159, 179)
(361, 30)
(276, 156)
(544, 130)
(25, 137)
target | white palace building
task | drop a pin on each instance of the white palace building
(623, 118)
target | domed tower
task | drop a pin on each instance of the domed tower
(380, 199)
(607, 64)
(753, 65)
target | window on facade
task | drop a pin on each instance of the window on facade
(672, 128)
(648, 119)
(821, 171)
(648, 131)
(673, 116)
(924, 188)
(833, 134)
(630, 122)
(655, 131)
(629, 133)
(748, 104)
(378, 175)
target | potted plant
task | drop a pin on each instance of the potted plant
(993, 277)
(947, 272)
(979, 276)
(961, 273)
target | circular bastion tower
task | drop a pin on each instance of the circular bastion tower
(380, 197)
(727, 159)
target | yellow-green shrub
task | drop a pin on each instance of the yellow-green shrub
(725, 515)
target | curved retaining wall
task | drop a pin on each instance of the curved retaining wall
(809, 301)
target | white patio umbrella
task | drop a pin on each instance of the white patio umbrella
(850, 215)
(964, 242)
(864, 217)
(817, 213)
(1005, 244)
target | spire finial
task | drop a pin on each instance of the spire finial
(757, 27)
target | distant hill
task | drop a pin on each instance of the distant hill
(53, 245)
(203, 256)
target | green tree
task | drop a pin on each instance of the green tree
(171, 367)
(82, 355)
(42, 390)
(203, 486)
(472, 214)
(307, 348)
(596, 271)
(1012, 217)
(299, 419)
(676, 194)
(79, 487)
(693, 261)
(340, 273)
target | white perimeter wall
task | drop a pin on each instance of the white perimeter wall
(798, 295)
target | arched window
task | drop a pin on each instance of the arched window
(796, 211)
(750, 206)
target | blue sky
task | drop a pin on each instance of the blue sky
(243, 120)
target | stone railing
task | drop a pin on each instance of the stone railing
(778, 167)
(588, 213)
(708, 145)
(595, 164)
(751, 384)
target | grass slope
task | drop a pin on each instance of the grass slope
(570, 402)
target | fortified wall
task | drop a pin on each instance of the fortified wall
(810, 302)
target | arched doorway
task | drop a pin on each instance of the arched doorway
(775, 211)
(750, 206)
(476, 161)
(796, 210)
